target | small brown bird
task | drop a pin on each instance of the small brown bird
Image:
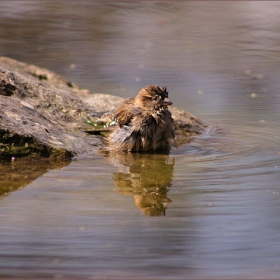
(144, 123)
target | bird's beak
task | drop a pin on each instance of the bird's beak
(166, 102)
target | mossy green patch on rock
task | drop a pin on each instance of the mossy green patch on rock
(18, 146)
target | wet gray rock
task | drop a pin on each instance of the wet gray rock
(43, 113)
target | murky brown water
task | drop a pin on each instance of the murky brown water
(211, 208)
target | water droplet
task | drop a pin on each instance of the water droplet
(248, 72)
(253, 95)
(72, 66)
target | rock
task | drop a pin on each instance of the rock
(43, 113)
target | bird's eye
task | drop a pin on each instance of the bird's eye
(154, 97)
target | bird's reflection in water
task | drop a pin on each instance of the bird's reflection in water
(146, 177)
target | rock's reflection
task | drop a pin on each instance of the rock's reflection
(146, 177)
(16, 175)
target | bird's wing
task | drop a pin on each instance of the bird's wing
(126, 111)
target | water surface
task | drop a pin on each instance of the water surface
(211, 208)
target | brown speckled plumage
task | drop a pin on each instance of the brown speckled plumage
(144, 122)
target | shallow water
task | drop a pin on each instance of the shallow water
(208, 210)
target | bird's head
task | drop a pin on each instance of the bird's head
(152, 97)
